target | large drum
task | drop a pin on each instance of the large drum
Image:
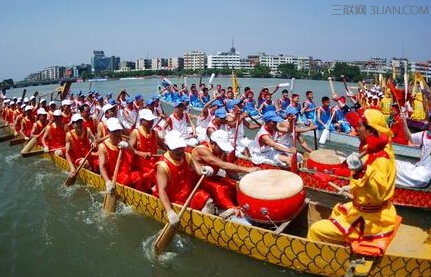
(271, 195)
(326, 159)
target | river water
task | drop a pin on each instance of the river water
(49, 230)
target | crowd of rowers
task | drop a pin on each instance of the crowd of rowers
(139, 130)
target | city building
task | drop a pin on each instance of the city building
(225, 60)
(194, 60)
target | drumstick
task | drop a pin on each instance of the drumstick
(340, 189)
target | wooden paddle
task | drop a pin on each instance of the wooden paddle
(168, 232)
(72, 178)
(33, 141)
(38, 152)
(110, 197)
(16, 141)
(294, 160)
(6, 137)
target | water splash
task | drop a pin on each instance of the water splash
(10, 159)
(167, 259)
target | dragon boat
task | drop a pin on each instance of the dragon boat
(407, 255)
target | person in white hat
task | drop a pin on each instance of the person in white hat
(39, 125)
(109, 150)
(66, 107)
(179, 120)
(145, 142)
(108, 111)
(54, 137)
(79, 141)
(213, 154)
(176, 177)
(27, 122)
(51, 108)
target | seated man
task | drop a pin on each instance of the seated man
(145, 142)
(265, 149)
(54, 137)
(78, 144)
(109, 150)
(179, 121)
(176, 175)
(214, 153)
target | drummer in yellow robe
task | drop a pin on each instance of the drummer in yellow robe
(371, 213)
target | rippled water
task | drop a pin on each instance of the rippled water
(50, 230)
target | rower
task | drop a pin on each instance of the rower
(218, 122)
(79, 141)
(145, 142)
(222, 187)
(176, 174)
(370, 214)
(179, 121)
(54, 137)
(39, 125)
(27, 122)
(265, 149)
(108, 111)
(109, 150)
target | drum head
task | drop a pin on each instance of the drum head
(328, 156)
(271, 184)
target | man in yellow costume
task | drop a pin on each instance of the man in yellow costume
(371, 213)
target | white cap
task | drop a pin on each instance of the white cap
(76, 117)
(26, 99)
(51, 103)
(42, 100)
(56, 113)
(174, 140)
(146, 114)
(12, 103)
(66, 102)
(41, 111)
(6, 101)
(221, 137)
(32, 97)
(23, 106)
(113, 124)
(107, 107)
(28, 108)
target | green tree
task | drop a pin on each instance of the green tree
(288, 71)
(261, 71)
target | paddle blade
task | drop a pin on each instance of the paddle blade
(164, 239)
(212, 78)
(6, 137)
(29, 145)
(70, 181)
(283, 85)
(109, 202)
(32, 153)
(16, 141)
(324, 137)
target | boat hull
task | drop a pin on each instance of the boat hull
(285, 250)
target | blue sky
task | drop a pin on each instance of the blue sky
(38, 34)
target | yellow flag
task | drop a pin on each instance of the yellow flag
(235, 84)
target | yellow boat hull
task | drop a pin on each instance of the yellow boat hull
(285, 250)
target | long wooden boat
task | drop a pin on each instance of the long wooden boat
(403, 196)
(407, 255)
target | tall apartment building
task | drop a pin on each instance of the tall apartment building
(194, 60)
(100, 63)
